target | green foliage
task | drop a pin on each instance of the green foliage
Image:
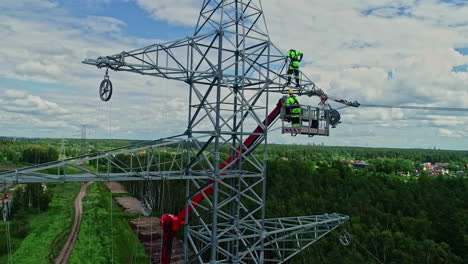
(31, 199)
(415, 221)
(389, 166)
(106, 236)
(399, 219)
(332, 153)
(39, 154)
(35, 151)
(37, 237)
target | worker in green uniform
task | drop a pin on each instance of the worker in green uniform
(295, 58)
(293, 108)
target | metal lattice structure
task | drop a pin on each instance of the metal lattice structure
(234, 74)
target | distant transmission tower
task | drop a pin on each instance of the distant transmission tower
(84, 132)
(62, 155)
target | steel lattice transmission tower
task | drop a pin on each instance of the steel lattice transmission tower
(234, 74)
(62, 154)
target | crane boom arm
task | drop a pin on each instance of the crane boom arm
(171, 223)
(232, 160)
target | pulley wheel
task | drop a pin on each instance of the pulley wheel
(6, 211)
(105, 90)
(147, 204)
(345, 238)
(334, 117)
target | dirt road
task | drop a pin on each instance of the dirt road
(71, 240)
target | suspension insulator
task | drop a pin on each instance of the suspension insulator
(334, 117)
(105, 90)
(147, 204)
(345, 238)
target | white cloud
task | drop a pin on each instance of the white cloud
(20, 102)
(182, 12)
(351, 53)
(102, 24)
(347, 53)
(444, 132)
(27, 4)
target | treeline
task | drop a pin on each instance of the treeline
(423, 220)
(43, 150)
(26, 152)
(28, 201)
(360, 153)
(37, 151)
(398, 219)
(30, 198)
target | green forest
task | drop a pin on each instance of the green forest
(399, 212)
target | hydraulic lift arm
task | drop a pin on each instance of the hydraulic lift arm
(171, 223)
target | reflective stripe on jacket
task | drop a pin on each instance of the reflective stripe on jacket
(293, 55)
(294, 104)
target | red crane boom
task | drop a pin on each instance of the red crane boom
(172, 223)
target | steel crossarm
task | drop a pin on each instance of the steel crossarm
(176, 60)
(170, 60)
(155, 160)
(287, 237)
(283, 237)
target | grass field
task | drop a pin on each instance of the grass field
(106, 239)
(37, 238)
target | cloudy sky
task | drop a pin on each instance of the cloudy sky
(397, 52)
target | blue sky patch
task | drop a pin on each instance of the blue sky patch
(387, 11)
(455, 2)
(460, 68)
(139, 23)
(13, 84)
(389, 75)
(462, 51)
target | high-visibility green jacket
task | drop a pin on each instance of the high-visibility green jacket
(294, 55)
(294, 65)
(293, 103)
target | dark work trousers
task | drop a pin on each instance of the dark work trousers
(296, 75)
(295, 120)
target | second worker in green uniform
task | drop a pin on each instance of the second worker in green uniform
(295, 58)
(293, 108)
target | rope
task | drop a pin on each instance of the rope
(111, 202)
(90, 256)
(416, 107)
(110, 119)
(151, 221)
(161, 198)
(134, 255)
(8, 235)
(111, 226)
(368, 252)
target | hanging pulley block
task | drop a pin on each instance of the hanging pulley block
(334, 117)
(147, 204)
(105, 90)
(345, 238)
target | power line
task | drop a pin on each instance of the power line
(368, 251)
(416, 107)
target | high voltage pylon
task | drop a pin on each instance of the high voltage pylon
(234, 74)
(83, 134)
(62, 154)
